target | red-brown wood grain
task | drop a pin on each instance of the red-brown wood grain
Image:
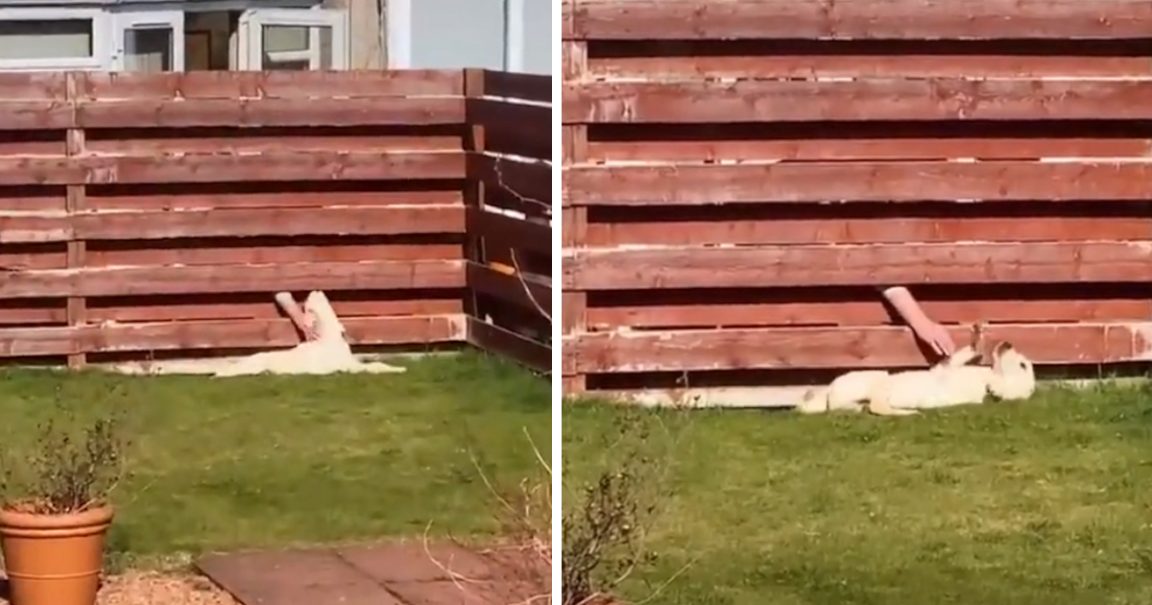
(865, 149)
(879, 19)
(216, 334)
(267, 84)
(880, 230)
(864, 99)
(783, 348)
(193, 279)
(873, 264)
(853, 59)
(234, 223)
(675, 184)
(214, 168)
(711, 314)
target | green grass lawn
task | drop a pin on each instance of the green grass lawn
(269, 461)
(1044, 502)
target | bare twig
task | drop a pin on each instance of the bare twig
(529, 526)
(527, 290)
(516, 194)
(524, 199)
(454, 576)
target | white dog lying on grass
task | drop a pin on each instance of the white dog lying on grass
(949, 383)
(328, 353)
(325, 352)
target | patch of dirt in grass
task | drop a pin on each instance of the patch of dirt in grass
(149, 588)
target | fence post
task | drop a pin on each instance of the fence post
(473, 190)
(74, 203)
(574, 223)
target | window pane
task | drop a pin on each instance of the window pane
(289, 47)
(148, 50)
(325, 47)
(46, 39)
(283, 38)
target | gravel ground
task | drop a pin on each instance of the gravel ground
(140, 588)
(150, 588)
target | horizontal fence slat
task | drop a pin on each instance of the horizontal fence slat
(755, 59)
(129, 281)
(263, 140)
(528, 182)
(221, 307)
(858, 265)
(508, 288)
(794, 348)
(212, 196)
(233, 223)
(877, 19)
(861, 181)
(709, 313)
(212, 168)
(782, 146)
(527, 87)
(238, 252)
(880, 99)
(886, 230)
(525, 351)
(33, 86)
(186, 336)
(270, 84)
(505, 231)
(511, 128)
(247, 113)
(36, 115)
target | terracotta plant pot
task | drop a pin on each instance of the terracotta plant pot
(54, 559)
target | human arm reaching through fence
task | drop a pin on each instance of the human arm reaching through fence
(928, 331)
(299, 317)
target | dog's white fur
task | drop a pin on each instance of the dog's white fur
(949, 383)
(329, 353)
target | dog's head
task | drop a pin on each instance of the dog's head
(1012, 374)
(327, 323)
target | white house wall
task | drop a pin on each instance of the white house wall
(513, 35)
(538, 36)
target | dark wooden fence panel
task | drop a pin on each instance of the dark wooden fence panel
(510, 215)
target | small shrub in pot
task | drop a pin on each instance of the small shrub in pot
(55, 510)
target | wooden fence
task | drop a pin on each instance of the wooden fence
(740, 177)
(155, 215)
(510, 232)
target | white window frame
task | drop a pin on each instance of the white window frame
(251, 35)
(399, 19)
(101, 42)
(123, 21)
